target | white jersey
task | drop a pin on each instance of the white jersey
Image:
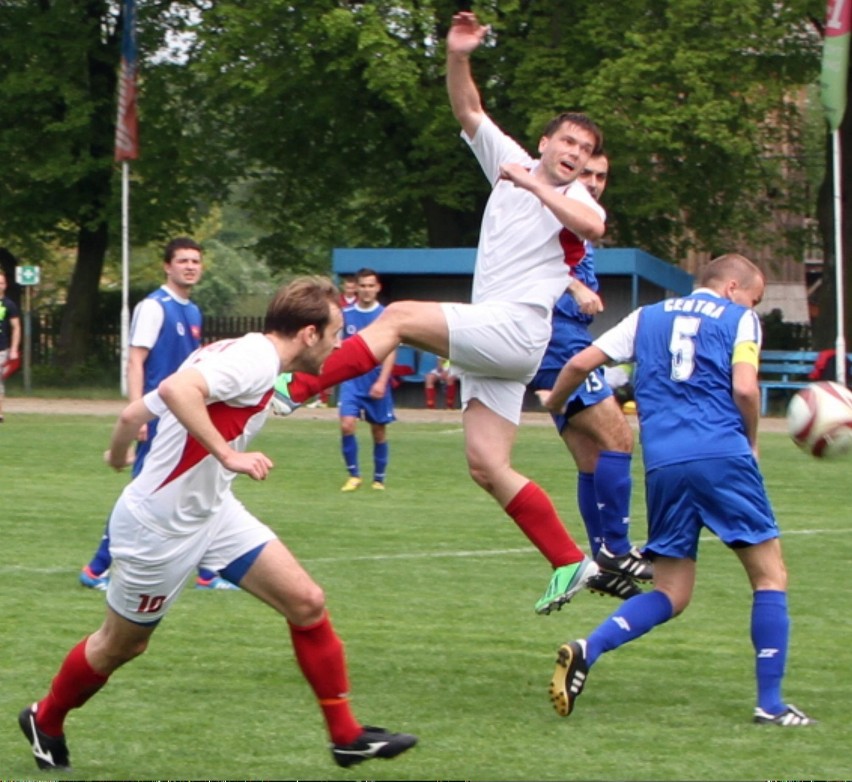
(524, 251)
(181, 485)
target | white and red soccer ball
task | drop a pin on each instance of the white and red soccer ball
(819, 419)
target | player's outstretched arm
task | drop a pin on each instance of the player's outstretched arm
(124, 433)
(466, 34)
(572, 375)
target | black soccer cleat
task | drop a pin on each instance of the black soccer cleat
(632, 564)
(791, 717)
(372, 743)
(50, 752)
(569, 678)
(614, 585)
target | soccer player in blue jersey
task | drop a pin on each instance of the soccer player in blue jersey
(593, 427)
(368, 395)
(165, 329)
(698, 402)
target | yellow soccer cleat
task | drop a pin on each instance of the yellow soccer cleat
(352, 484)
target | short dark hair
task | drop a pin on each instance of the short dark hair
(730, 266)
(365, 272)
(581, 120)
(306, 301)
(179, 243)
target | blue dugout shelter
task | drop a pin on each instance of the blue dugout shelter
(628, 277)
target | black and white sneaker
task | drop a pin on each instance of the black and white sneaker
(49, 752)
(791, 717)
(372, 743)
(614, 585)
(569, 678)
(632, 564)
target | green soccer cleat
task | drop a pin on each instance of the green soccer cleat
(281, 403)
(565, 583)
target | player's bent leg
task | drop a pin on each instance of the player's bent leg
(278, 579)
(116, 642)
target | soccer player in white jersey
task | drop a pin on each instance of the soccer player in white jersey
(180, 512)
(698, 400)
(534, 226)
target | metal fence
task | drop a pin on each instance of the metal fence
(106, 341)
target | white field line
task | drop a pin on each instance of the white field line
(16, 569)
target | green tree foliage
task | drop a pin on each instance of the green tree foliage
(339, 113)
(334, 114)
(58, 183)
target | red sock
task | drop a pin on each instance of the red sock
(534, 513)
(431, 394)
(75, 683)
(450, 394)
(352, 359)
(319, 652)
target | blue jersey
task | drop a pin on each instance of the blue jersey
(570, 326)
(355, 320)
(683, 378)
(179, 336)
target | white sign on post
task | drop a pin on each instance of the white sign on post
(27, 275)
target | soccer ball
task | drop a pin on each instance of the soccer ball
(819, 419)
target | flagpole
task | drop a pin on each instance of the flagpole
(125, 273)
(833, 83)
(840, 343)
(126, 149)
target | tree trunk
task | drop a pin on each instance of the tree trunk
(75, 334)
(93, 194)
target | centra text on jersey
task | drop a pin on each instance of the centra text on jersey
(711, 309)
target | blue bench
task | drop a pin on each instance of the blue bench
(421, 361)
(784, 370)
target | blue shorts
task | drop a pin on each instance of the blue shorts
(725, 495)
(373, 411)
(593, 391)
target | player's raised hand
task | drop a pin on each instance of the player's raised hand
(254, 464)
(466, 33)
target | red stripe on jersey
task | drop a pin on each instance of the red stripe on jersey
(573, 247)
(229, 421)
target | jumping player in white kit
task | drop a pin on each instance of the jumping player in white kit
(533, 229)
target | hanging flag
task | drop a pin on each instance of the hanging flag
(127, 126)
(835, 60)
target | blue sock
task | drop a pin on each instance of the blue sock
(634, 618)
(101, 561)
(206, 575)
(381, 454)
(349, 446)
(613, 485)
(587, 501)
(770, 633)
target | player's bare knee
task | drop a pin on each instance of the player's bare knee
(481, 477)
(308, 607)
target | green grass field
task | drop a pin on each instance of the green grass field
(431, 588)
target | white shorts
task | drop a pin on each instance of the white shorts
(150, 568)
(498, 347)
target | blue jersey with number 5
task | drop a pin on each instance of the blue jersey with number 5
(683, 378)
